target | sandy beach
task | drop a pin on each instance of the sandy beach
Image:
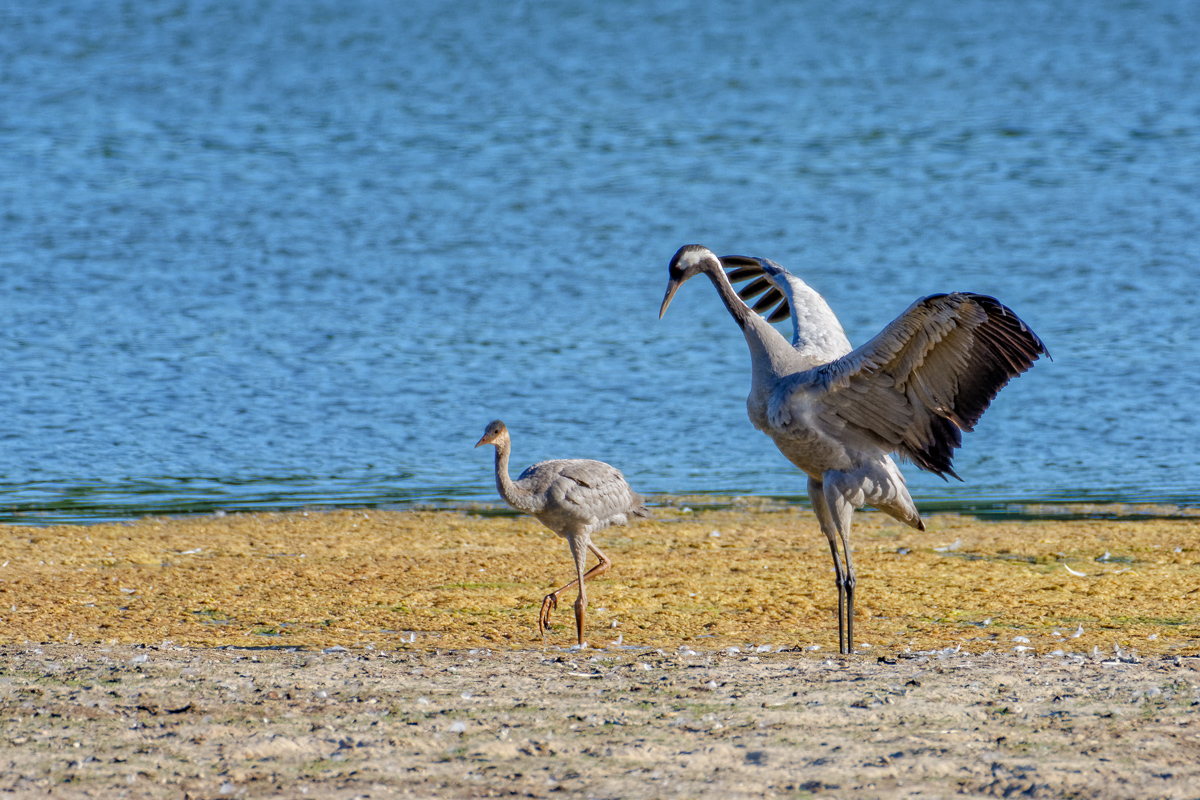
(372, 653)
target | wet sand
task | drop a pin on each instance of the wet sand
(376, 653)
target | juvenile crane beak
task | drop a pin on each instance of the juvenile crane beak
(671, 289)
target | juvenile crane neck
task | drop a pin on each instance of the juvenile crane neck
(515, 496)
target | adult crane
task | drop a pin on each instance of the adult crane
(838, 413)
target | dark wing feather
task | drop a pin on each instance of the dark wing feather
(754, 288)
(768, 301)
(930, 375)
(744, 268)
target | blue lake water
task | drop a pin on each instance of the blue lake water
(274, 254)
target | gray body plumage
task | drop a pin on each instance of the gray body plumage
(577, 495)
(572, 497)
(839, 413)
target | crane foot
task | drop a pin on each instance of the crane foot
(549, 603)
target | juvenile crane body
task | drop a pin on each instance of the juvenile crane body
(574, 498)
(838, 413)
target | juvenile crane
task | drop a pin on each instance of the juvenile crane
(837, 413)
(572, 497)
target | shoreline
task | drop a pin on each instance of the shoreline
(993, 509)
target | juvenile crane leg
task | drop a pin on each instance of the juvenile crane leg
(550, 601)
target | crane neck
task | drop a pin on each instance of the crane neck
(741, 313)
(514, 495)
(770, 354)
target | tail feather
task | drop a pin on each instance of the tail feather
(639, 507)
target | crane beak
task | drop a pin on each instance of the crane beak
(672, 287)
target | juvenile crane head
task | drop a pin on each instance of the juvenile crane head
(495, 433)
(691, 259)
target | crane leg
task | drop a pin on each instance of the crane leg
(842, 510)
(816, 494)
(550, 601)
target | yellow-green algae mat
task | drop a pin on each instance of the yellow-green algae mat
(757, 575)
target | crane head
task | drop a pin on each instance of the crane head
(691, 259)
(493, 434)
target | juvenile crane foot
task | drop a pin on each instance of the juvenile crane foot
(549, 603)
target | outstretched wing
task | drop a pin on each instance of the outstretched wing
(927, 376)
